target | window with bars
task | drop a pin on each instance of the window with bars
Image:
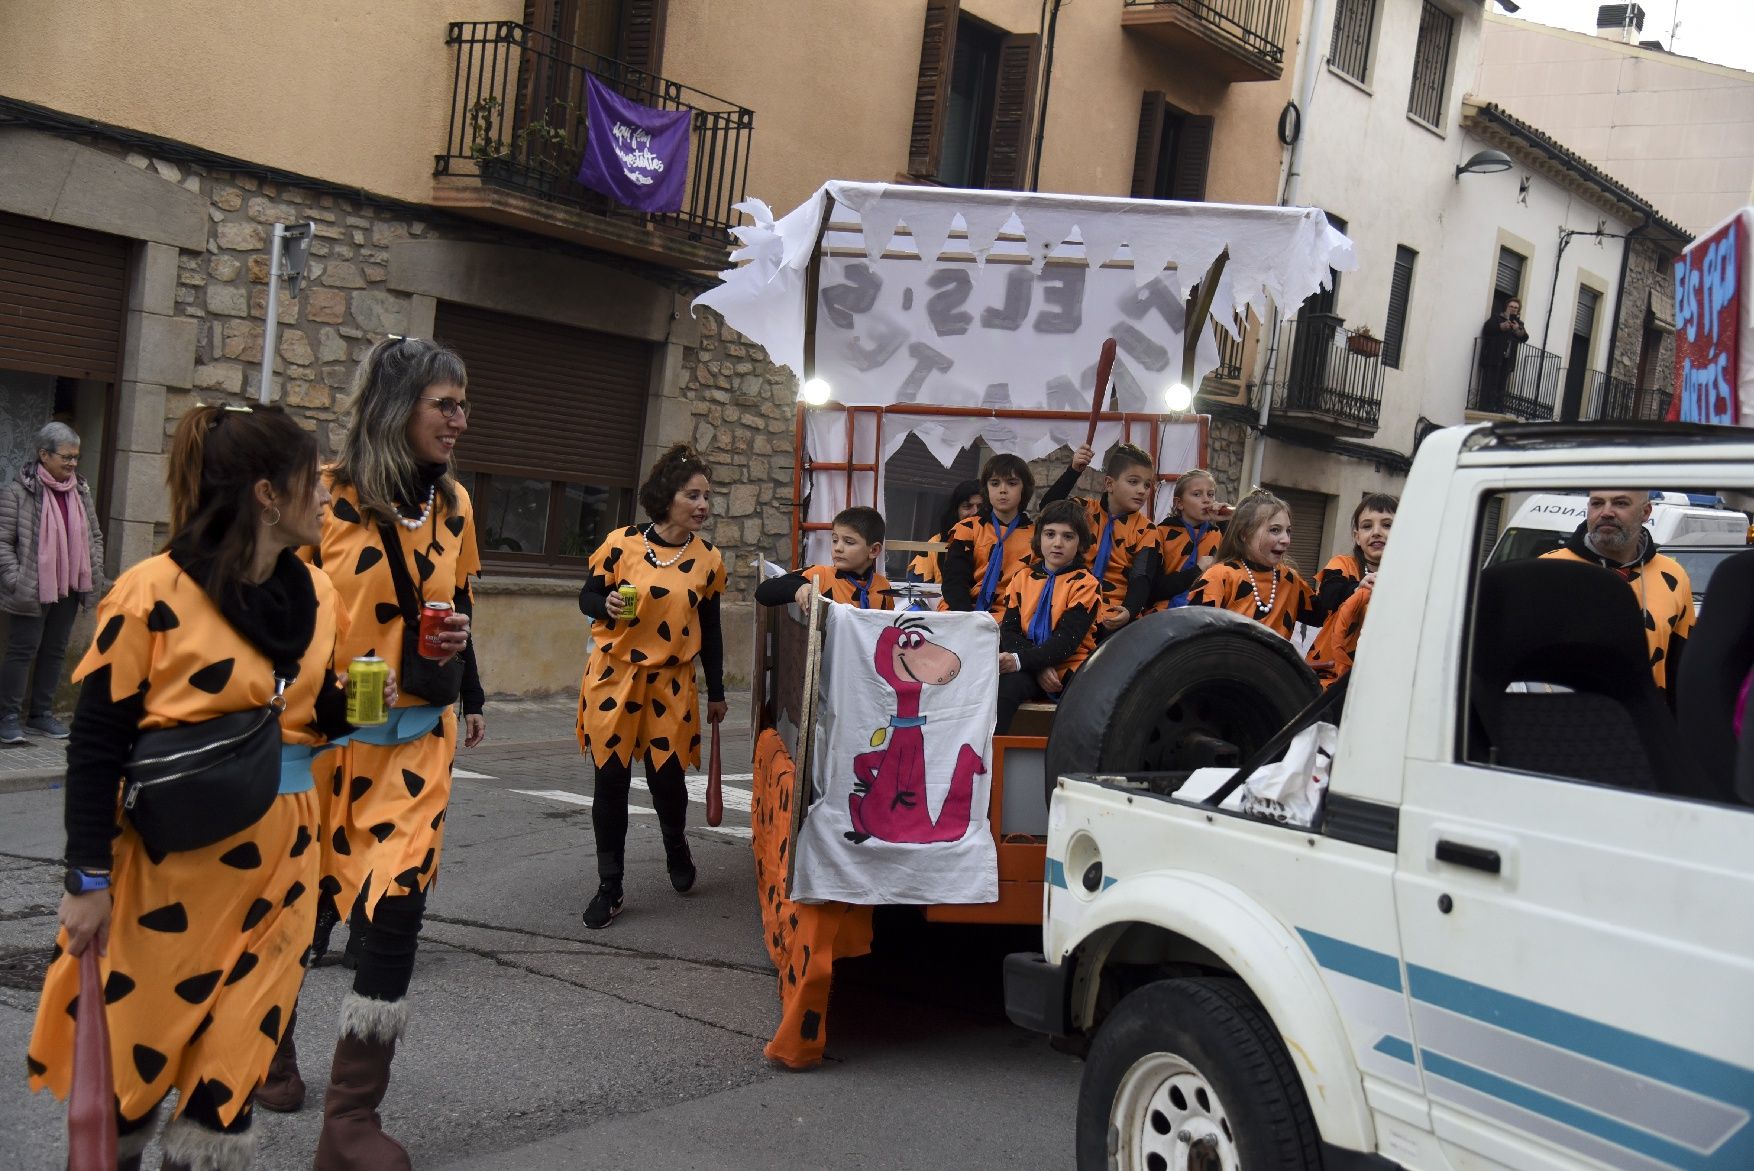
(1354, 24)
(1431, 65)
(1400, 295)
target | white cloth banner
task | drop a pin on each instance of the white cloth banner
(899, 764)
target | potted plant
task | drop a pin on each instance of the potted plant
(1361, 342)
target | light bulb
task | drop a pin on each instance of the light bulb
(814, 392)
(1178, 398)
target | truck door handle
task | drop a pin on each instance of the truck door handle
(1475, 857)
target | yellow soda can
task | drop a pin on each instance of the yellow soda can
(629, 602)
(365, 691)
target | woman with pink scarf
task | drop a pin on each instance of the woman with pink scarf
(51, 564)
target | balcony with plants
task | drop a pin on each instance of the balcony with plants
(1326, 377)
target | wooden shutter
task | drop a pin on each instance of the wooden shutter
(1193, 155)
(642, 35)
(1584, 323)
(1013, 113)
(1510, 273)
(932, 94)
(548, 401)
(1145, 154)
(1309, 520)
(63, 293)
(1400, 294)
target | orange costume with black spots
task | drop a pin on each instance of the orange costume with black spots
(1332, 653)
(1170, 557)
(929, 566)
(1061, 639)
(1335, 583)
(970, 582)
(1113, 550)
(868, 591)
(384, 803)
(639, 698)
(203, 967)
(1663, 590)
(1276, 598)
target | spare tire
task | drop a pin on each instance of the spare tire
(1168, 688)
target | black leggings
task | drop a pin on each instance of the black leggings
(669, 790)
(387, 943)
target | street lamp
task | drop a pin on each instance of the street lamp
(1178, 398)
(1486, 162)
(287, 255)
(814, 392)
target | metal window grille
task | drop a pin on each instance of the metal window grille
(1510, 272)
(1431, 64)
(1354, 22)
(1400, 293)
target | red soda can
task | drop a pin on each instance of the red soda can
(432, 625)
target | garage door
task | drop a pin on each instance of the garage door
(550, 402)
(1309, 521)
(62, 296)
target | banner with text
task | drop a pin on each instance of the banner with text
(634, 154)
(1711, 321)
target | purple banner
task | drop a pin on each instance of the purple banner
(634, 154)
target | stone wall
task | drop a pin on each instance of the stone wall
(1225, 443)
(743, 423)
(1650, 274)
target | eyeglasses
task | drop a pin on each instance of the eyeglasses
(65, 458)
(450, 408)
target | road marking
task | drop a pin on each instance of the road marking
(738, 799)
(577, 799)
(466, 775)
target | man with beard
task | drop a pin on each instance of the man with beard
(1613, 536)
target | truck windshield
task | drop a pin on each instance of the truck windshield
(1516, 544)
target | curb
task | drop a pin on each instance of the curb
(27, 780)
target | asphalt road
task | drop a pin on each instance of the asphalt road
(537, 1044)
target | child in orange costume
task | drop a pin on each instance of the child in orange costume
(201, 969)
(1049, 627)
(1371, 521)
(1120, 527)
(965, 501)
(638, 699)
(1180, 549)
(1250, 576)
(852, 579)
(986, 549)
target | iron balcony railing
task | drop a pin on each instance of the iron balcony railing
(518, 119)
(1526, 386)
(1323, 370)
(1258, 25)
(1619, 400)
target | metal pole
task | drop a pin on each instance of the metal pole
(271, 329)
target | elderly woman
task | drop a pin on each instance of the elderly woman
(51, 564)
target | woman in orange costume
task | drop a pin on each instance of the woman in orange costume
(385, 793)
(638, 698)
(1250, 576)
(200, 948)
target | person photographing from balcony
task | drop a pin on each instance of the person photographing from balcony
(1048, 627)
(1250, 576)
(851, 578)
(1499, 339)
(1120, 525)
(1613, 537)
(986, 549)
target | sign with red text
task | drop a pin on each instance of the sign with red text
(1709, 302)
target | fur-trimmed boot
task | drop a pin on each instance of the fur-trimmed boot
(189, 1146)
(283, 1091)
(131, 1145)
(353, 1138)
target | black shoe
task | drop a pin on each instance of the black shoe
(680, 863)
(604, 905)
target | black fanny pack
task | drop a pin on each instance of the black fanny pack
(192, 785)
(439, 684)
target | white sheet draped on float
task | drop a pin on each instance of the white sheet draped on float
(935, 297)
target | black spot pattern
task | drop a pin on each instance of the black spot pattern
(339, 842)
(255, 914)
(206, 1023)
(414, 781)
(356, 789)
(810, 1025)
(162, 618)
(424, 564)
(148, 1062)
(196, 989)
(664, 631)
(34, 1067)
(342, 509)
(409, 878)
(658, 591)
(213, 677)
(244, 857)
(455, 524)
(271, 1024)
(293, 894)
(329, 885)
(245, 965)
(106, 638)
(382, 830)
(388, 612)
(301, 843)
(116, 987)
(368, 557)
(170, 919)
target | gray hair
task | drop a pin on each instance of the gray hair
(387, 385)
(54, 435)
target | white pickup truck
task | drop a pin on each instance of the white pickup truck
(1521, 932)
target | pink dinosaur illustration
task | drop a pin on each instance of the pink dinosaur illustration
(889, 790)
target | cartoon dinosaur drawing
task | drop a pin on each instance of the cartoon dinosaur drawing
(889, 790)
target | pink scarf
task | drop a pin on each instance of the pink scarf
(63, 544)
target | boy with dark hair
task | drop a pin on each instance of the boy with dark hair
(1120, 526)
(986, 549)
(856, 546)
(1048, 627)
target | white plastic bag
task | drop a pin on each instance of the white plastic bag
(1291, 789)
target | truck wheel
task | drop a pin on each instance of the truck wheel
(1190, 1075)
(1177, 691)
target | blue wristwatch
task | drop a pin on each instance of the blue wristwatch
(82, 882)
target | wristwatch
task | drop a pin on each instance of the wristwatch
(80, 882)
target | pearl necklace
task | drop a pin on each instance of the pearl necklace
(1272, 594)
(425, 512)
(652, 554)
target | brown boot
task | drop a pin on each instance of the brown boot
(283, 1091)
(352, 1138)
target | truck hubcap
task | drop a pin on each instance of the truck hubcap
(1166, 1117)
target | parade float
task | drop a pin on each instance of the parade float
(963, 317)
